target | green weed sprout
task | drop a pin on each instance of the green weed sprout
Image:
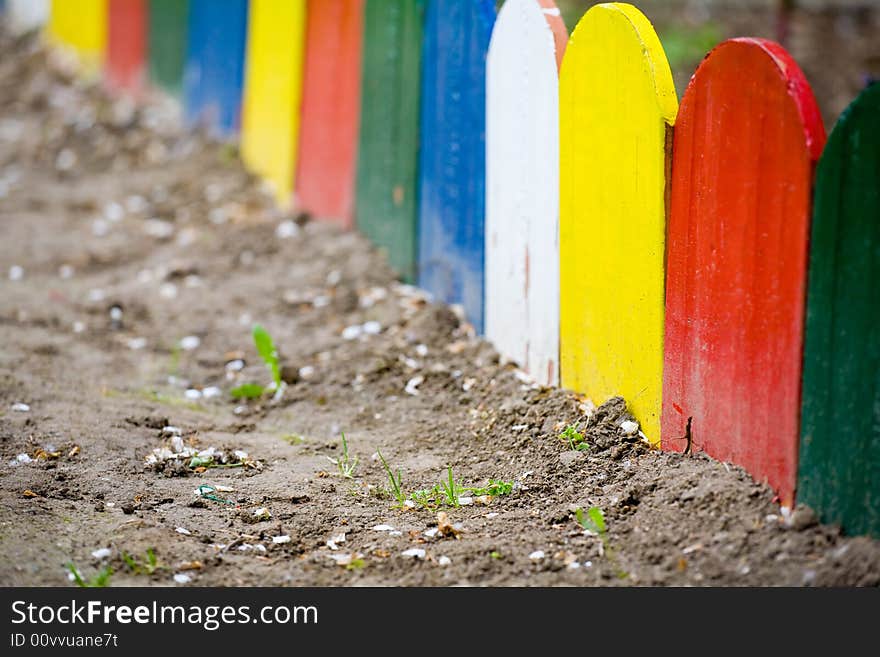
(574, 438)
(593, 522)
(148, 566)
(346, 464)
(396, 489)
(267, 351)
(99, 580)
(450, 488)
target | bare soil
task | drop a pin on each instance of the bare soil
(124, 239)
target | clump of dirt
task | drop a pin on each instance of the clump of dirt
(134, 280)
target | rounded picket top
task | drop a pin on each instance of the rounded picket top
(452, 162)
(840, 422)
(522, 186)
(617, 105)
(330, 110)
(746, 140)
(388, 149)
(272, 92)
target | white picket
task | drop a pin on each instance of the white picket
(522, 188)
(26, 15)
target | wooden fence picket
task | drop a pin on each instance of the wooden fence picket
(80, 26)
(746, 141)
(166, 39)
(272, 92)
(388, 146)
(330, 109)
(27, 15)
(617, 104)
(839, 471)
(452, 163)
(522, 185)
(214, 70)
(126, 45)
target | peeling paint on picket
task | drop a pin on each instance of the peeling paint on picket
(214, 71)
(617, 103)
(747, 138)
(330, 110)
(167, 35)
(125, 69)
(452, 164)
(388, 148)
(273, 89)
(839, 471)
(522, 186)
(80, 26)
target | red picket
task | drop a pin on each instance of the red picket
(747, 138)
(325, 176)
(125, 68)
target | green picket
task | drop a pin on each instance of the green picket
(389, 141)
(167, 43)
(839, 472)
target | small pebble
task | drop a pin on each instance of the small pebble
(182, 578)
(444, 561)
(190, 342)
(280, 540)
(193, 394)
(102, 553)
(16, 273)
(183, 530)
(19, 407)
(415, 553)
(286, 229)
(537, 555)
(211, 391)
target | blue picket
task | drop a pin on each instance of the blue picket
(213, 75)
(453, 159)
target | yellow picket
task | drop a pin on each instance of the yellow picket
(81, 26)
(272, 91)
(617, 105)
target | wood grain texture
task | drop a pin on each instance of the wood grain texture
(166, 38)
(452, 164)
(272, 93)
(386, 209)
(81, 27)
(125, 68)
(617, 103)
(746, 141)
(330, 109)
(839, 471)
(522, 186)
(27, 15)
(213, 75)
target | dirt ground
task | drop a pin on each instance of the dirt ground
(135, 260)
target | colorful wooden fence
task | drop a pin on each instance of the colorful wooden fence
(522, 185)
(388, 146)
(734, 354)
(617, 103)
(166, 40)
(213, 74)
(840, 432)
(748, 135)
(273, 86)
(330, 110)
(125, 69)
(453, 158)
